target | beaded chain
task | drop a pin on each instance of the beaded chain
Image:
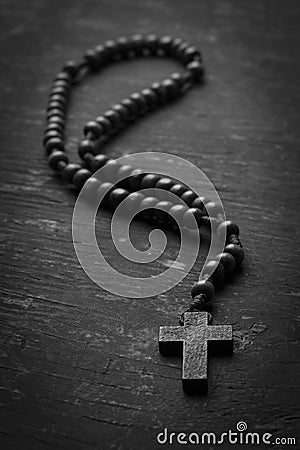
(98, 131)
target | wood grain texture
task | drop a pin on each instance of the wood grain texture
(80, 369)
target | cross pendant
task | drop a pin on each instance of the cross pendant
(193, 339)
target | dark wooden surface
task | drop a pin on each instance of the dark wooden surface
(80, 369)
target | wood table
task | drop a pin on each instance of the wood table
(80, 368)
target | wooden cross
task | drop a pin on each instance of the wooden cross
(194, 338)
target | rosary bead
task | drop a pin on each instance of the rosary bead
(69, 171)
(97, 162)
(190, 215)
(177, 212)
(62, 84)
(55, 112)
(111, 50)
(133, 202)
(124, 172)
(164, 183)
(151, 43)
(229, 227)
(102, 55)
(200, 202)
(172, 88)
(114, 117)
(174, 46)
(54, 143)
(131, 105)
(94, 128)
(196, 69)
(178, 189)
(55, 127)
(111, 170)
(134, 180)
(236, 251)
(151, 98)
(160, 91)
(105, 123)
(53, 104)
(218, 274)
(104, 191)
(80, 178)
(162, 209)
(123, 111)
(190, 54)
(116, 197)
(55, 158)
(71, 68)
(58, 99)
(213, 209)
(149, 180)
(181, 49)
(57, 120)
(140, 102)
(177, 77)
(138, 42)
(123, 46)
(228, 262)
(92, 59)
(204, 287)
(188, 197)
(50, 135)
(59, 90)
(148, 207)
(62, 76)
(86, 146)
(165, 44)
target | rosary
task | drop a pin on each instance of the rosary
(194, 335)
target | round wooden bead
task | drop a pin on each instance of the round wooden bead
(50, 135)
(236, 251)
(134, 180)
(94, 128)
(188, 197)
(213, 209)
(149, 180)
(228, 262)
(229, 227)
(178, 189)
(177, 77)
(133, 202)
(98, 162)
(151, 98)
(54, 144)
(137, 43)
(172, 88)
(192, 218)
(103, 192)
(190, 54)
(71, 68)
(204, 287)
(131, 105)
(218, 274)
(86, 146)
(116, 197)
(165, 44)
(123, 111)
(162, 209)
(114, 117)
(80, 178)
(105, 123)
(147, 206)
(200, 202)
(123, 46)
(123, 173)
(92, 59)
(151, 43)
(56, 157)
(177, 212)
(140, 102)
(111, 170)
(196, 69)
(69, 171)
(161, 92)
(164, 183)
